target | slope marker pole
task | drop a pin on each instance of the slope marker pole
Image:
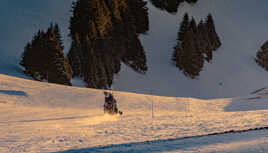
(152, 103)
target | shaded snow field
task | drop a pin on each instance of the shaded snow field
(241, 25)
(40, 117)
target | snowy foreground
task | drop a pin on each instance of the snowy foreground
(40, 118)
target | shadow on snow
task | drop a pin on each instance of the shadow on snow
(176, 144)
(14, 93)
(256, 101)
(51, 119)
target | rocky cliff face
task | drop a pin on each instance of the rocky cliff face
(104, 33)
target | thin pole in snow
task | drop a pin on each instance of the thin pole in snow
(152, 104)
(152, 109)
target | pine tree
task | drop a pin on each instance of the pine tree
(75, 57)
(104, 33)
(139, 13)
(43, 58)
(206, 47)
(188, 55)
(58, 36)
(193, 26)
(193, 57)
(135, 56)
(213, 36)
(24, 55)
(58, 69)
(170, 6)
(191, 1)
(262, 56)
(183, 27)
(196, 44)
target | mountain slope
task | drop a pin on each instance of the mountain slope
(41, 117)
(232, 72)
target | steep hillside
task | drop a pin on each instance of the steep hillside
(232, 72)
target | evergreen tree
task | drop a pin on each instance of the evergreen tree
(205, 44)
(25, 54)
(192, 62)
(135, 56)
(193, 26)
(191, 1)
(196, 44)
(262, 56)
(183, 27)
(139, 13)
(75, 57)
(213, 36)
(57, 34)
(104, 33)
(170, 6)
(57, 68)
(43, 59)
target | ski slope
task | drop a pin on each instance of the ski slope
(39, 117)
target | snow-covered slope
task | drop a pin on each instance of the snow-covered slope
(20, 20)
(241, 24)
(40, 117)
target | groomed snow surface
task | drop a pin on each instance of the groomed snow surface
(40, 118)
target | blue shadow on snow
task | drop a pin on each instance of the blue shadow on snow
(167, 145)
(13, 93)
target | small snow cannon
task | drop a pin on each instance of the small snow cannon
(110, 105)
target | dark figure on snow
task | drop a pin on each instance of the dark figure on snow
(110, 105)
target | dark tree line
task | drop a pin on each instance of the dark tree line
(43, 58)
(104, 33)
(262, 56)
(196, 44)
(170, 6)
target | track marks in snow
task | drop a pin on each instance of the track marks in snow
(97, 119)
(50, 119)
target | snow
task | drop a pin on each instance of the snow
(78, 82)
(233, 70)
(20, 20)
(235, 143)
(38, 117)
